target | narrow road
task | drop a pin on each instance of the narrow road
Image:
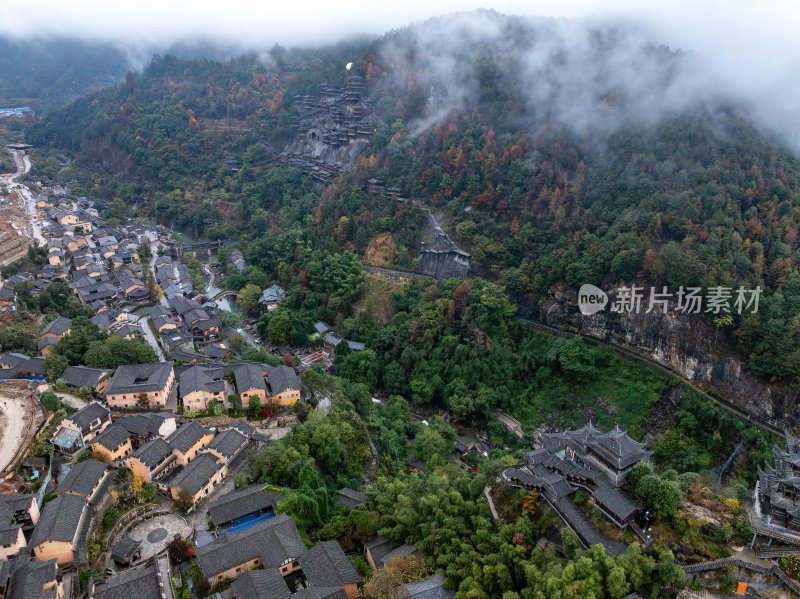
(144, 322)
(23, 163)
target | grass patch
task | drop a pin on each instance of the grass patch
(623, 391)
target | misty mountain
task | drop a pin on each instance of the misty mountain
(557, 152)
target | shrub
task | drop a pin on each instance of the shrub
(50, 401)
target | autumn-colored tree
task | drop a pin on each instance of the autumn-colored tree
(136, 486)
(530, 504)
(142, 400)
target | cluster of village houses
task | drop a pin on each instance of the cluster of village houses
(252, 544)
(260, 550)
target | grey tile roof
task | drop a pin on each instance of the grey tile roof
(320, 593)
(143, 424)
(378, 547)
(187, 436)
(58, 326)
(137, 378)
(11, 504)
(9, 534)
(429, 588)
(197, 473)
(228, 442)
(44, 342)
(123, 551)
(326, 565)
(83, 376)
(273, 541)
(282, 378)
(138, 583)
(322, 328)
(92, 411)
(28, 577)
(112, 437)
(249, 376)
(83, 478)
(242, 426)
(261, 584)
(152, 453)
(241, 502)
(199, 378)
(404, 550)
(60, 520)
(350, 497)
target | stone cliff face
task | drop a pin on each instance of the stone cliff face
(685, 342)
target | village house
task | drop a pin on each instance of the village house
(272, 385)
(198, 478)
(62, 530)
(76, 431)
(96, 379)
(228, 445)
(149, 425)
(273, 543)
(52, 334)
(199, 385)
(153, 459)
(141, 384)
(188, 440)
(18, 513)
(24, 578)
(90, 479)
(241, 503)
(378, 552)
(112, 445)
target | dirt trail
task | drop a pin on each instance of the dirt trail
(15, 405)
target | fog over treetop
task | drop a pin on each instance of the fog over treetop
(611, 53)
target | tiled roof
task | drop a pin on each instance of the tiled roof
(239, 503)
(273, 541)
(82, 478)
(326, 565)
(187, 436)
(138, 378)
(198, 378)
(282, 378)
(152, 453)
(112, 437)
(143, 424)
(228, 442)
(29, 576)
(248, 377)
(59, 326)
(350, 497)
(197, 473)
(429, 588)
(83, 376)
(123, 551)
(141, 583)
(10, 504)
(261, 584)
(92, 411)
(60, 520)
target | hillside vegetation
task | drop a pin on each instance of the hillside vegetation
(671, 189)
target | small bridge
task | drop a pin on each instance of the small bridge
(221, 294)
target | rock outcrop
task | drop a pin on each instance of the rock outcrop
(685, 342)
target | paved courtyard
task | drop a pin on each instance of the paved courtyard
(157, 531)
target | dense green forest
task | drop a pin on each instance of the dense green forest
(696, 197)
